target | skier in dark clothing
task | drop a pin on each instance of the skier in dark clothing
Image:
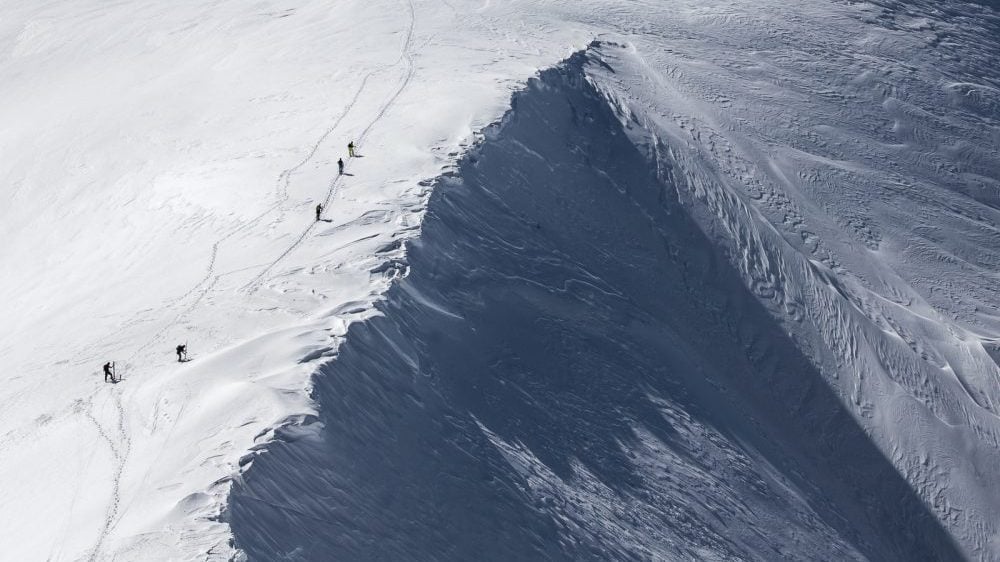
(182, 353)
(340, 165)
(350, 149)
(109, 372)
(319, 209)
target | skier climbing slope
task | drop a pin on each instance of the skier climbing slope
(836, 153)
(189, 182)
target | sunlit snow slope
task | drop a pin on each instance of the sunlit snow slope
(159, 168)
(724, 286)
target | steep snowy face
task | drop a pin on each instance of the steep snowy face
(856, 189)
(722, 295)
(817, 292)
(572, 369)
(159, 168)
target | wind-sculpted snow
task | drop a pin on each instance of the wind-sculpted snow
(572, 369)
(736, 296)
(854, 185)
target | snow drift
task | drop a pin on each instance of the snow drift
(574, 369)
(742, 282)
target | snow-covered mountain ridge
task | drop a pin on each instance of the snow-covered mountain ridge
(815, 185)
(590, 366)
(160, 168)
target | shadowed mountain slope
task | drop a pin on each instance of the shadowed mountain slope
(571, 370)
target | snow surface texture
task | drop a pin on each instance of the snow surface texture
(571, 370)
(159, 167)
(748, 311)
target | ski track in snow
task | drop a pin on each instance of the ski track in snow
(844, 158)
(121, 453)
(254, 284)
(205, 285)
(822, 266)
